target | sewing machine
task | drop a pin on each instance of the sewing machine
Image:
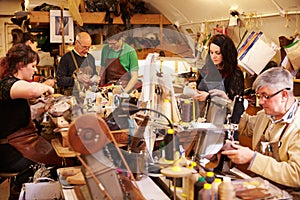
(221, 123)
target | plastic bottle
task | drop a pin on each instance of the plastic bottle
(226, 189)
(210, 177)
(198, 186)
(170, 146)
(205, 193)
(215, 187)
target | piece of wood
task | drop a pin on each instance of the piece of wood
(61, 151)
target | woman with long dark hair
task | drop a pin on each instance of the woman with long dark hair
(221, 70)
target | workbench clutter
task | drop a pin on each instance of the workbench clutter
(117, 139)
(200, 184)
(103, 158)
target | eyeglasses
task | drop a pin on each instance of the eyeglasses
(266, 97)
(84, 47)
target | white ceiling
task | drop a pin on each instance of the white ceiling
(195, 11)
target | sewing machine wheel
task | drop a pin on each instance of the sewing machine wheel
(88, 134)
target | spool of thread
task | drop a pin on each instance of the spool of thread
(166, 109)
(186, 108)
(192, 180)
(215, 187)
(171, 141)
(226, 190)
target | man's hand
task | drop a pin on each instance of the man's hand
(83, 78)
(50, 82)
(240, 154)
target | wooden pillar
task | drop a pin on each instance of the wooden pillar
(82, 6)
(161, 31)
(62, 26)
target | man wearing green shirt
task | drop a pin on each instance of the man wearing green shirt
(119, 62)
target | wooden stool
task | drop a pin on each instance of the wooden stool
(10, 176)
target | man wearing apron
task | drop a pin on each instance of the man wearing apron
(119, 62)
(275, 131)
(77, 69)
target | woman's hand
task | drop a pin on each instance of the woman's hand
(201, 95)
(192, 85)
(219, 93)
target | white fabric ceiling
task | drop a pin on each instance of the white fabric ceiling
(184, 12)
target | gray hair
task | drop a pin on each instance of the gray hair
(276, 78)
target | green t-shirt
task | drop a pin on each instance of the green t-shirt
(128, 57)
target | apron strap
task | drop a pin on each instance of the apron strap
(74, 60)
(76, 82)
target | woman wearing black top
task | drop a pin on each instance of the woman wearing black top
(221, 71)
(16, 88)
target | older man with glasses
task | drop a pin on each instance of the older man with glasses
(77, 68)
(275, 131)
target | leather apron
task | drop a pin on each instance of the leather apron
(114, 72)
(270, 148)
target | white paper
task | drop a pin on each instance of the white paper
(257, 57)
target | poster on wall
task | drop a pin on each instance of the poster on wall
(59, 28)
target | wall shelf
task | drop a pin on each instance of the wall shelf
(40, 18)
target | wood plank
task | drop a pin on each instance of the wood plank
(61, 151)
(38, 18)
